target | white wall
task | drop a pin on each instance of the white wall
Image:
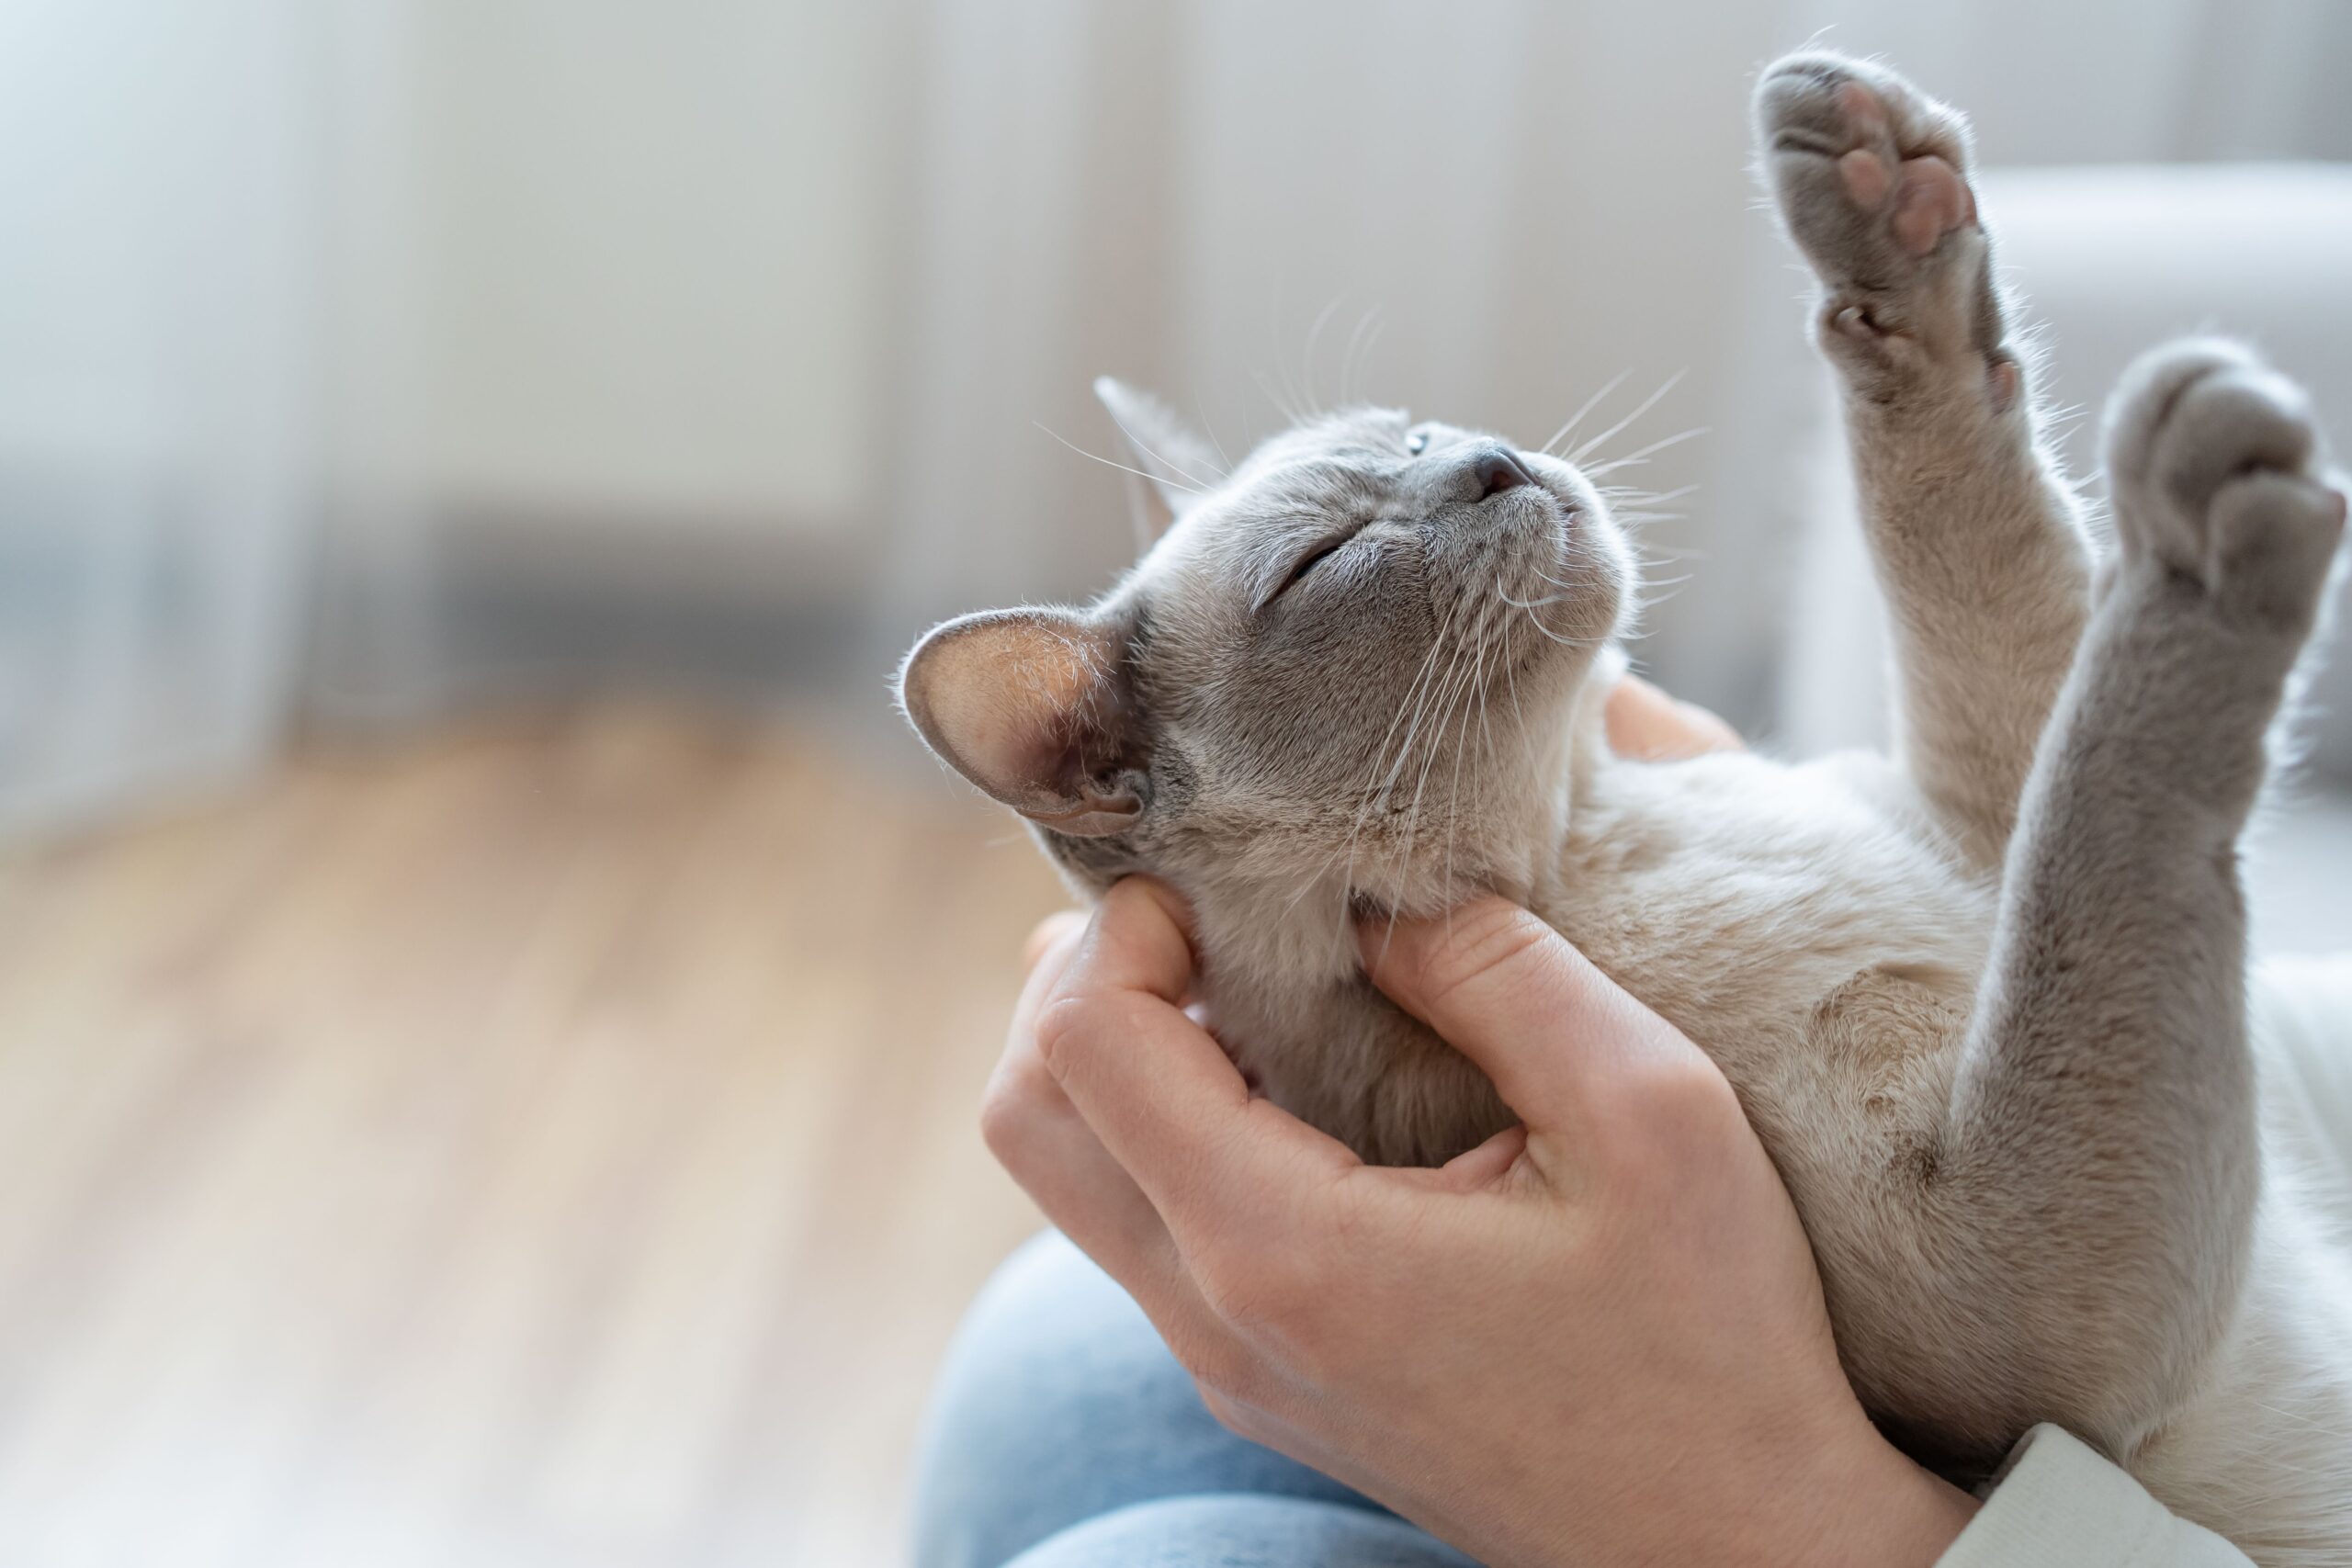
(646, 252)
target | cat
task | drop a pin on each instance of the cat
(1983, 999)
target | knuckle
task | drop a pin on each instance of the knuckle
(1008, 1110)
(1236, 1291)
(1061, 1028)
(1236, 1417)
(1071, 1024)
(1258, 1291)
(1285, 1308)
(1213, 1362)
(1668, 1116)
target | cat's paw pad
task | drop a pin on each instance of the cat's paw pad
(2217, 470)
(1870, 175)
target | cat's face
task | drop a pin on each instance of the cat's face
(1350, 657)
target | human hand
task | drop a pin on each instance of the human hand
(1598, 1338)
(1648, 725)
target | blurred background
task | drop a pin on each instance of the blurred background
(493, 1004)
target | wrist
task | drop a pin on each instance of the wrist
(1878, 1507)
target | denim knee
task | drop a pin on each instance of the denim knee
(1057, 1402)
(1228, 1532)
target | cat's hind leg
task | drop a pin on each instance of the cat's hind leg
(1974, 536)
(2098, 1166)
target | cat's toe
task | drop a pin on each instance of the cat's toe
(1871, 179)
(1827, 104)
(2217, 470)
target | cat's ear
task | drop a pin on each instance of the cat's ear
(1178, 468)
(1031, 705)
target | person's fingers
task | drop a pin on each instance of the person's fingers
(1048, 1148)
(1473, 1170)
(1156, 1088)
(1037, 1135)
(1045, 1146)
(1648, 725)
(1057, 927)
(1486, 1164)
(1035, 1131)
(1512, 994)
(1140, 940)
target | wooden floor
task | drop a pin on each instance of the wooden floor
(544, 1145)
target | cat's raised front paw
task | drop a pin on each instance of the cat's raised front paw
(1871, 179)
(2217, 470)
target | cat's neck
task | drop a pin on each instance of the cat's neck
(1292, 928)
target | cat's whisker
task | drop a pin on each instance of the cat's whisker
(1589, 403)
(1366, 333)
(1640, 408)
(1451, 689)
(1287, 399)
(1537, 622)
(1306, 355)
(1197, 484)
(1107, 463)
(1526, 740)
(1417, 695)
(1283, 404)
(1454, 792)
(1222, 455)
(1639, 493)
(1531, 603)
(1374, 791)
(1642, 455)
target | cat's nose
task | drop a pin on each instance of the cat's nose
(1496, 470)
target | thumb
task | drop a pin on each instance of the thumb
(1511, 994)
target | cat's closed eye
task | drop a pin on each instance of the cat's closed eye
(1318, 557)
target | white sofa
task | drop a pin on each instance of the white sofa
(2111, 260)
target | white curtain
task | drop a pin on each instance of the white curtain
(158, 443)
(300, 302)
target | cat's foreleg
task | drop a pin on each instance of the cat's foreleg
(1974, 536)
(2098, 1165)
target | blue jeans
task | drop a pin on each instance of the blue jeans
(1063, 1435)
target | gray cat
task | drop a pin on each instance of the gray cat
(1985, 1000)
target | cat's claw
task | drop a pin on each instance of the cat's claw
(2219, 479)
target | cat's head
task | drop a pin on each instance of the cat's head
(1347, 661)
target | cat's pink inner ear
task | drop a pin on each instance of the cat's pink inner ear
(1017, 701)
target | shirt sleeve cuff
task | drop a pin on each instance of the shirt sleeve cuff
(2058, 1503)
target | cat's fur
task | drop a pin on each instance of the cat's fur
(1985, 1000)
